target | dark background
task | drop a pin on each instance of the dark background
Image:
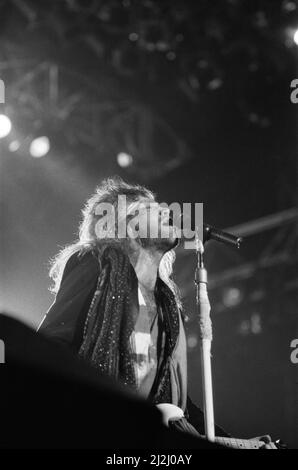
(198, 93)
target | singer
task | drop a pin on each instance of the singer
(118, 307)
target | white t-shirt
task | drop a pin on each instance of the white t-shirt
(144, 346)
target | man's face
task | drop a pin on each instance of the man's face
(153, 224)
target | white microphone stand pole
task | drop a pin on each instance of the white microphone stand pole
(205, 325)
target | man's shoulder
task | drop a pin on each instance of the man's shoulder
(86, 260)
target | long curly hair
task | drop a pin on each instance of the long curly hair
(108, 192)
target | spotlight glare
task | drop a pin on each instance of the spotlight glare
(232, 296)
(14, 146)
(295, 37)
(39, 147)
(5, 126)
(124, 159)
(192, 341)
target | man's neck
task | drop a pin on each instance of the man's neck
(146, 262)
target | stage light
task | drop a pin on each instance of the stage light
(251, 326)
(5, 126)
(171, 55)
(124, 159)
(256, 323)
(192, 341)
(39, 147)
(215, 83)
(289, 6)
(14, 145)
(232, 296)
(295, 37)
(133, 37)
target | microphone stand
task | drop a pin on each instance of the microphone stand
(205, 326)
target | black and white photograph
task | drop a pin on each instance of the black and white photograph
(149, 227)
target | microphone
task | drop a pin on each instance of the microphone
(212, 233)
(209, 232)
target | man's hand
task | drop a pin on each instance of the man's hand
(268, 444)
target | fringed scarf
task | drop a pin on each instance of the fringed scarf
(110, 322)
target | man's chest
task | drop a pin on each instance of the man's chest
(144, 341)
